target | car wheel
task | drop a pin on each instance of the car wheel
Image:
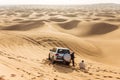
(49, 57)
(53, 62)
(67, 63)
(67, 57)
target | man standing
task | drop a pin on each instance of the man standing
(72, 58)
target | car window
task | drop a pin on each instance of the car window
(63, 51)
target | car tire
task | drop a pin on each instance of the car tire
(49, 57)
(67, 57)
(53, 62)
(67, 63)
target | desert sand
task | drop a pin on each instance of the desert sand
(28, 32)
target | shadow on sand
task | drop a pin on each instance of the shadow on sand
(60, 67)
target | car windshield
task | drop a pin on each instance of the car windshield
(63, 51)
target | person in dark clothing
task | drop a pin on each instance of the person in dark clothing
(73, 58)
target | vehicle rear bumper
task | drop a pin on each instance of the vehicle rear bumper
(59, 60)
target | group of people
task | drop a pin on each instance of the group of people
(81, 64)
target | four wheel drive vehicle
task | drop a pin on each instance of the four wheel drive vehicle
(60, 54)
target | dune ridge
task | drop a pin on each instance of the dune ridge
(88, 28)
(25, 26)
(69, 25)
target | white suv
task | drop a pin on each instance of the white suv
(59, 54)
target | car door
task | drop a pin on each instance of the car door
(60, 52)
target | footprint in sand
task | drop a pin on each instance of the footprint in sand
(115, 72)
(105, 70)
(97, 75)
(55, 79)
(105, 76)
(40, 74)
(22, 75)
(21, 57)
(90, 73)
(28, 73)
(110, 77)
(97, 70)
(33, 78)
(118, 78)
(13, 75)
(110, 71)
(17, 68)
(46, 61)
(54, 70)
(89, 79)
(97, 78)
(1, 78)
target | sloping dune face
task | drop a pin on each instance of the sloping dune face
(69, 25)
(99, 28)
(86, 28)
(102, 28)
(55, 19)
(27, 33)
(24, 56)
(25, 26)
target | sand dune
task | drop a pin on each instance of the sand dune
(19, 48)
(87, 28)
(28, 32)
(27, 25)
(57, 19)
(69, 25)
(101, 28)
(113, 20)
(71, 15)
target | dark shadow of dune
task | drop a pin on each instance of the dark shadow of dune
(25, 26)
(52, 14)
(69, 25)
(39, 15)
(95, 19)
(57, 19)
(26, 14)
(113, 20)
(70, 15)
(18, 20)
(102, 28)
(105, 15)
(28, 21)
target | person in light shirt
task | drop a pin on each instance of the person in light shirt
(82, 65)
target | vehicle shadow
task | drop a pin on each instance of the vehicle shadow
(60, 67)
